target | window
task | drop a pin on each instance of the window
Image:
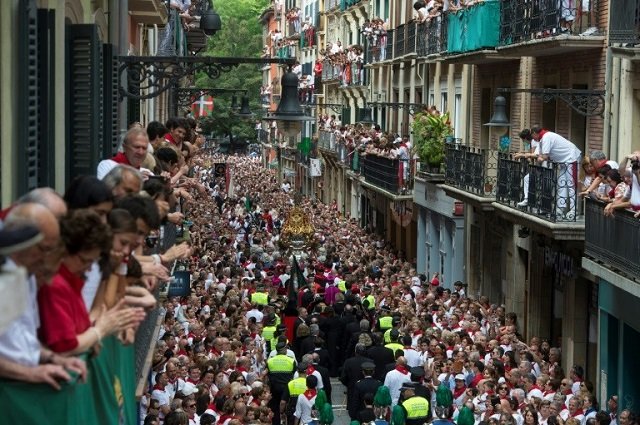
(457, 115)
(443, 102)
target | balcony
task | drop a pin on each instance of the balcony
(172, 40)
(398, 49)
(148, 12)
(388, 175)
(562, 26)
(431, 36)
(345, 4)
(330, 72)
(332, 4)
(473, 28)
(612, 241)
(472, 172)
(327, 141)
(378, 49)
(308, 38)
(550, 188)
(624, 22)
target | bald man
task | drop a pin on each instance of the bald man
(396, 378)
(21, 355)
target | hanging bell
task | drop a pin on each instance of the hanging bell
(499, 117)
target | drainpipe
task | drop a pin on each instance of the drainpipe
(608, 98)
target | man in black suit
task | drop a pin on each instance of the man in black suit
(351, 326)
(381, 356)
(367, 385)
(351, 374)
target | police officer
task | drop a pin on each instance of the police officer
(269, 331)
(368, 301)
(417, 377)
(395, 325)
(294, 388)
(367, 385)
(394, 344)
(385, 321)
(260, 297)
(416, 407)
(281, 368)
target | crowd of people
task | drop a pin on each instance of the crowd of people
(259, 336)
(375, 32)
(344, 64)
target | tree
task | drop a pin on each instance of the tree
(240, 36)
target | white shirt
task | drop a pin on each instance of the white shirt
(303, 409)
(19, 342)
(558, 148)
(394, 380)
(92, 280)
(255, 313)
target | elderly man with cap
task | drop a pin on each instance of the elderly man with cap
(366, 385)
(281, 368)
(352, 372)
(294, 388)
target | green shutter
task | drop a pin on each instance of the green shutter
(110, 101)
(84, 100)
(27, 143)
(46, 98)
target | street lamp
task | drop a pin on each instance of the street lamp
(366, 117)
(210, 22)
(245, 110)
(289, 115)
(500, 122)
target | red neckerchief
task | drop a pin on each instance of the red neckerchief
(241, 369)
(121, 158)
(542, 133)
(546, 393)
(310, 370)
(192, 381)
(215, 351)
(158, 387)
(578, 412)
(535, 387)
(457, 392)
(182, 352)
(403, 370)
(223, 418)
(169, 138)
(309, 394)
(489, 392)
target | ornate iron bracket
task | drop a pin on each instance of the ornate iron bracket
(184, 96)
(335, 107)
(589, 103)
(146, 77)
(413, 107)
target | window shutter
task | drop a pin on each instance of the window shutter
(110, 104)
(27, 145)
(46, 97)
(84, 100)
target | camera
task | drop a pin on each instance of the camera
(151, 241)
(635, 164)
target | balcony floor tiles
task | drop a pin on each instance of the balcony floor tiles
(573, 230)
(549, 46)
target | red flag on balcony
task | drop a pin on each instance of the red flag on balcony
(203, 106)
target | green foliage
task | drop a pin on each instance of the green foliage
(429, 132)
(240, 36)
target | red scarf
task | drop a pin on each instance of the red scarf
(457, 392)
(542, 133)
(192, 381)
(158, 387)
(310, 370)
(578, 412)
(169, 138)
(121, 158)
(403, 370)
(309, 394)
(546, 393)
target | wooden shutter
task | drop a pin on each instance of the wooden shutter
(84, 100)
(46, 97)
(110, 101)
(27, 143)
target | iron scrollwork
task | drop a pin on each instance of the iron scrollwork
(588, 103)
(146, 77)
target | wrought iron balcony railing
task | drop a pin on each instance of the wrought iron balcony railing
(378, 48)
(410, 45)
(327, 140)
(624, 22)
(613, 240)
(345, 4)
(431, 36)
(398, 49)
(549, 189)
(173, 41)
(392, 175)
(523, 20)
(471, 169)
(308, 38)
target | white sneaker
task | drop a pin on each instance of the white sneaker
(523, 204)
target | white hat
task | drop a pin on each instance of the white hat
(189, 389)
(459, 377)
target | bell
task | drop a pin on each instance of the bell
(210, 22)
(289, 109)
(499, 117)
(245, 110)
(366, 117)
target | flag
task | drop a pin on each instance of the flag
(203, 106)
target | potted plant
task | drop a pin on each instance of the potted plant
(430, 129)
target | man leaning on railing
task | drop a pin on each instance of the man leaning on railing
(566, 155)
(631, 198)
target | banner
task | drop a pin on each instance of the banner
(202, 107)
(180, 284)
(315, 167)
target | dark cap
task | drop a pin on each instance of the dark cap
(408, 386)
(385, 308)
(368, 366)
(394, 334)
(281, 346)
(366, 288)
(302, 366)
(417, 371)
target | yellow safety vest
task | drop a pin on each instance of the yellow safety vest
(417, 407)
(268, 332)
(280, 363)
(386, 322)
(395, 347)
(259, 298)
(387, 336)
(342, 285)
(372, 302)
(297, 386)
